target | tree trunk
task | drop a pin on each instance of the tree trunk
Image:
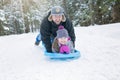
(27, 28)
(64, 3)
(116, 12)
(1, 28)
(92, 11)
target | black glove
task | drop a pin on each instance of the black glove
(73, 44)
(48, 48)
(50, 51)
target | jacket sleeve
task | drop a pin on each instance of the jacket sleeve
(45, 35)
(71, 31)
(70, 44)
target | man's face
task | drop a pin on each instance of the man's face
(57, 18)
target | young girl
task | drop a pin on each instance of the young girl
(62, 42)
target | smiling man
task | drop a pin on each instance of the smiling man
(55, 18)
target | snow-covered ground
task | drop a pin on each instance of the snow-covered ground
(20, 59)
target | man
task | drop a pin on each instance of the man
(50, 24)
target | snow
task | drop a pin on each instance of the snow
(6, 28)
(2, 15)
(20, 59)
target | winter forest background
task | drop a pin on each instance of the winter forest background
(23, 16)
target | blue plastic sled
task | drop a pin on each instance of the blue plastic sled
(60, 56)
(74, 55)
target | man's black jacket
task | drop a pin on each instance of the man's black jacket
(48, 31)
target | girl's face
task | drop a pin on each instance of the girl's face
(62, 40)
(57, 18)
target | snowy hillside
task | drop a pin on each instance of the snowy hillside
(20, 59)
